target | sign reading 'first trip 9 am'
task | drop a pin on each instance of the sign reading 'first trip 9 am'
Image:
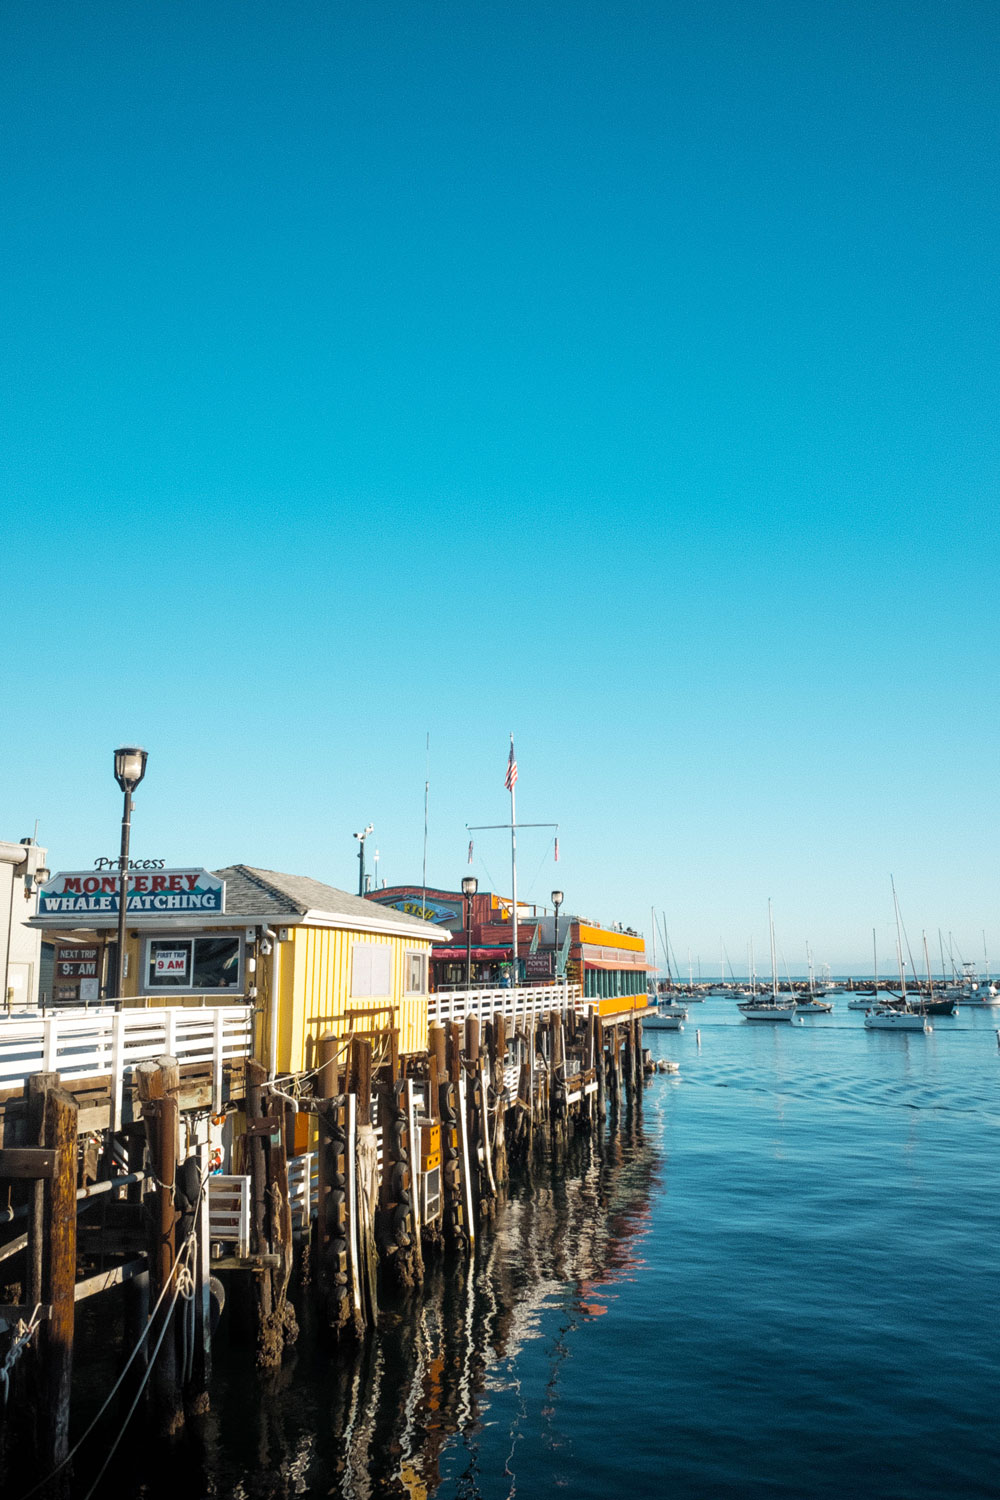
(83, 893)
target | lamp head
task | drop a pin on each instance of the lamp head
(470, 886)
(130, 766)
(557, 899)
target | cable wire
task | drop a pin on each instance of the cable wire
(170, 1281)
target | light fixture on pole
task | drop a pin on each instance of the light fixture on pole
(361, 856)
(130, 768)
(470, 886)
(557, 901)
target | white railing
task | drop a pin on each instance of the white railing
(109, 1043)
(533, 1000)
(229, 1212)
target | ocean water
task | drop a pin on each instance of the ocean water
(779, 1277)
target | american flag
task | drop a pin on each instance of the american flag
(511, 776)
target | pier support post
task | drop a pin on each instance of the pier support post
(333, 1281)
(399, 1242)
(496, 1040)
(363, 1179)
(159, 1085)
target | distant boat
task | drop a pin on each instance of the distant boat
(659, 1020)
(893, 1018)
(810, 1004)
(776, 1007)
(896, 1014)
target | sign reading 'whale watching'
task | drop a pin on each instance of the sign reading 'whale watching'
(84, 893)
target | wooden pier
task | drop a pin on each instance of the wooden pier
(219, 1182)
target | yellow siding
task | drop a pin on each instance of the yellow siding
(315, 993)
(602, 939)
(622, 1005)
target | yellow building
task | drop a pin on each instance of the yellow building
(311, 958)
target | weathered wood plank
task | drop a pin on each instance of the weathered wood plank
(27, 1163)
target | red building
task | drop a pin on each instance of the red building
(607, 963)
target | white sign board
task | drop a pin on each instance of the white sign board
(90, 989)
(171, 963)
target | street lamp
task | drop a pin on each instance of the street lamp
(130, 768)
(470, 886)
(557, 901)
(361, 856)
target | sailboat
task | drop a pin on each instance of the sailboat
(863, 1002)
(895, 1013)
(811, 1004)
(776, 1007)
(662, 1015)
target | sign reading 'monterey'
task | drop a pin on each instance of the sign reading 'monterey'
(83, 893)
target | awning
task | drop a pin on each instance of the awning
(616, 963)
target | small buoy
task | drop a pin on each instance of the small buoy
(698, 1037)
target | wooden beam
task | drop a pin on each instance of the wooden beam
(27, 1163)
(105, 1280)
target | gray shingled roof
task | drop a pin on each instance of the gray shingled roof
(263, 893)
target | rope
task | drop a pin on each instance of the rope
(24, 1333)
(171, 1281)
(142, 1386)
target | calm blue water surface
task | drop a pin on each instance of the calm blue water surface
(779, 1278)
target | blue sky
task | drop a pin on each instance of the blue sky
(623, 376)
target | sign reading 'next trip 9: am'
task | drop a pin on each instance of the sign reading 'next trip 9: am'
(84, 893)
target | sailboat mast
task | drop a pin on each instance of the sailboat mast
(652, 920)
(511, 779)
(899, 950)
(774, 961)
(875, 963)
(927, 961)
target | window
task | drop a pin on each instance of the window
(193, 963)
(416, 974)
(371, 970)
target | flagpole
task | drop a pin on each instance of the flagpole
(513, 868)
(427, 794)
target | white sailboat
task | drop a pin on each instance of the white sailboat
(776, 1007)
(897, 1014)
(662, 1015)
(811, 1004)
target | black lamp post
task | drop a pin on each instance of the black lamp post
(557, 901)
(130, 768)
(470, 886)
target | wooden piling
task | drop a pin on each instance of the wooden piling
(58, 1275)
(159, 1085)
(496, 1047)
(327, 1084)
(598, 1052)
(333, 1280)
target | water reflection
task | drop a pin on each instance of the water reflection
(379, 1420)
